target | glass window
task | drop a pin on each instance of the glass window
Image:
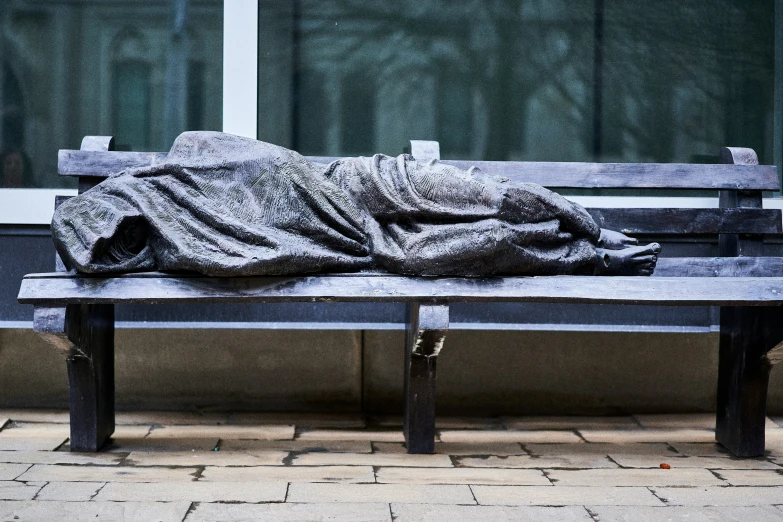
(556, 80)
(140, 71)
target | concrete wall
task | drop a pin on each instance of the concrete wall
(479, 373)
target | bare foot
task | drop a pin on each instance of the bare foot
(636, 260)
(612, 240)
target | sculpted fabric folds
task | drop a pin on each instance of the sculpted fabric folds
(223, 205)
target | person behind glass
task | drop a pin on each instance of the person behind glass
(14, 169)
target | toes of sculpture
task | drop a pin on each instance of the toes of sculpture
(636, 260)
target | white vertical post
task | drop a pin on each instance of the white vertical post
(240, 67)
(777, 133)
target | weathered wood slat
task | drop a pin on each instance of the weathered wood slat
(719, 267)
(58, 289)
(89, 163)
(548, 174)
(667, 267)
(630, 175)
(683, 221)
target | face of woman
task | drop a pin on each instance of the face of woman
(13, 170)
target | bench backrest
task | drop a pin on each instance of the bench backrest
(740, 222)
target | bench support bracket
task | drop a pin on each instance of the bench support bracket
(426, 328)
(84, 334)
(748, 349)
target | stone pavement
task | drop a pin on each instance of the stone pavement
(173, 466)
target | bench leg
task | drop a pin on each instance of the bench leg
(748, 339)
(91, 378)
(427, 325)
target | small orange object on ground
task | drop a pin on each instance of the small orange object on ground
(665, 466)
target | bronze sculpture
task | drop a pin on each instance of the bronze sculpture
(223, 205)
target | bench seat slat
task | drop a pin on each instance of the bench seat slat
(53, 290)
(548, 174)
(683, 221)
(719, 267)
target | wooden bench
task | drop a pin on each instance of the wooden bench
(76, 312)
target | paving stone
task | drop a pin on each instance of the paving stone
(47, 437)
(564, 496)
(46, 473)
(194, 492)
(30, 444)
(522, 477)
(127, 435)
(647, 461)
(570, 423)
(205, 458)
(332, 446)
(224, 432)
(33, 437)
(634, 477)
(693, 449)
(372, 459)
(37, 415)
(11, 471)
(166, 418)
(12, 490)
(774, 446)
(774, 449)
(402, 493)
(494, 436)
(458, 448)
(70, 491)
(628, 436)
(126, 445)
(36, 429)
(737, 477)
(677, 421)
(132, 431)
(720, 496)
(603, 449)
(289, 512)
(91, 511)
(59, 457)
(300, 420)
(526, 461)
(775, 452)
(434, 513)
(337, 474)
(692, 514)
(366, 435)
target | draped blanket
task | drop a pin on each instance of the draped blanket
(223, 205)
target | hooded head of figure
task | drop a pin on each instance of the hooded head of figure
(102, 234)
